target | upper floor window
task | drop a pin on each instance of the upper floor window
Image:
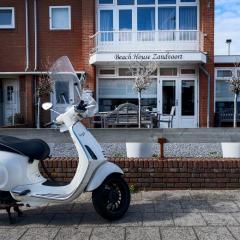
(105, 1)
(151, 15)
(7, 18)
(60, 17)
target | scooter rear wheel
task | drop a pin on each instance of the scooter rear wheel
(111, 200)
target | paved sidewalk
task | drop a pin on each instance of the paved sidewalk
(166, 215)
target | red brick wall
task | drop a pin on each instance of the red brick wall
(12, 41)
(161, 174)
(207, 28)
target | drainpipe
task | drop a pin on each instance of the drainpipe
(35, 35)
(27, 37)
(209, 94)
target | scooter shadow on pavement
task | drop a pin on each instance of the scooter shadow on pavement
(83, 214)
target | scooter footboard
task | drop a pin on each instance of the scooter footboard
(101, 174)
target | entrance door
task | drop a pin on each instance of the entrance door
(187, 103)
(63, 95)
(10, 100)
(182, 94)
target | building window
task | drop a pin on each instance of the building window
(7, 18)
(107, 71)
(166, 1)
(145, 19)
(151, 15)
(188, 71)
(60, 17)
(106, 25)
(188, 18)
(168, 71)
(116, 91)
(223, 96)
(224, 73)
(105, 1)
(125, 2)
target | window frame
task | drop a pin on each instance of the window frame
(12, 26)
(69, 17)
(115, 8)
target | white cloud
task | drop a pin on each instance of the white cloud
(227, 25)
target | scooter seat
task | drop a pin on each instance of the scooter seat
(33, 148)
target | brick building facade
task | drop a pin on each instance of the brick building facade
(185, 52)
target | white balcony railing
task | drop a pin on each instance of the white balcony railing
(129, 41)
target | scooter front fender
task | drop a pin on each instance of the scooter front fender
(101, 174)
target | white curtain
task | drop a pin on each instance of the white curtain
(188, 18)
(106, 25)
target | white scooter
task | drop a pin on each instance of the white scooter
(21, 182)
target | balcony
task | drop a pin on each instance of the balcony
(148, 41)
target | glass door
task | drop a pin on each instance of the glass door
(167, 100)
(182, 94)
(11, 101)
(187, 103)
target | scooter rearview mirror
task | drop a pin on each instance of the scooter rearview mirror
(47, 106)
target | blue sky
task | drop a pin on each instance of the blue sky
(227, 25)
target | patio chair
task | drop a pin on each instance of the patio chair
(166, 118)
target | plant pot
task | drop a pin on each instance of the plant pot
(231, 150)
(139, 150)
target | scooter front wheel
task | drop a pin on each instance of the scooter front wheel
(111, 200)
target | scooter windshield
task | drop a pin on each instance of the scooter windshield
(62, 72)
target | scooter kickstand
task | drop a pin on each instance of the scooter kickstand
(18, 211)
(8, 209)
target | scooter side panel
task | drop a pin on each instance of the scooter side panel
(101, 174)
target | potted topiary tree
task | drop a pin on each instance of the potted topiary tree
(44, 88)
(143, 76)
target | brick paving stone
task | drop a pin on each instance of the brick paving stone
(178, 233)
(36, 221)
(236, 216)
(222, 219)
(215, 195)
(68, 219)
(238, 203)
(58, 208)
(196, 206)
(93, 220)
(131, 219)
(188, 219)
(40, 234)
(142, 233)
(224, 206)
(153, 195)
(157, 219)
(74, 233)
(136, 196)
(168, 206)
(178, 195)
(11, 233)
(142, 206)
(108, 233)
(235, 232)
(80, 207)
(213, 233)
(4, 222)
